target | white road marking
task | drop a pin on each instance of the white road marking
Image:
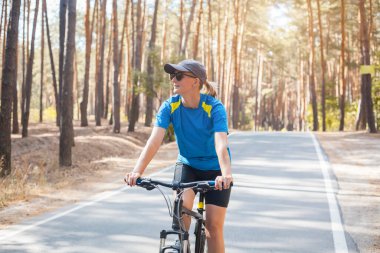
(340, 243)
(78, 207)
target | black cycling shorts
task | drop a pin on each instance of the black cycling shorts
(184, 174)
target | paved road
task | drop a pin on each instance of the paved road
(283, 201)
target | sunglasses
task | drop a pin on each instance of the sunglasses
(179, 76)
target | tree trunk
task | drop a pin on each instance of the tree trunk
(8, 82)
(365, 60)
(5, 7)
(197, 31)
(181, 40)
(134, 115)
(42, 63)
(62, 35)
(57, 103)
(67, 131)
(88, 30)
(116, 87)
(99, 106)
(235, 99)
(342, 99)
(323, 68)
(29, 78)
(188, 25)
(150, 69)
(311, 68)
(108, 69)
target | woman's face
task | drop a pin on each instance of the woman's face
(184, 83)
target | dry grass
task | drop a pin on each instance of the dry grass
(35, 165)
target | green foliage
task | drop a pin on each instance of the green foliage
(333, 115)
(376, 99)
(48, 114)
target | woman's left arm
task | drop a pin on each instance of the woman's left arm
(221, 145)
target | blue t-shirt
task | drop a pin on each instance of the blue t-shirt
(194, 129)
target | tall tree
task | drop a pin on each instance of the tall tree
(29, 78)
(66, 131)
(99, 105)
(88, 31)
(366, 82)
(62, 36)
(188, 26)
(8, 82)
(137, 61)
(55, 88)
(342, 94)
(323, 67)
(116, 85)
(311, 67)
(150, 69)
(197, 30)
(235, 99)
(42, 62)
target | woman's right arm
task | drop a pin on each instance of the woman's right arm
(150, 149)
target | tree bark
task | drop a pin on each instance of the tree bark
(62, 35)
(42, 63)
(150, 69)
(181, 40)
(235, 99)
(9, 81)
(29, 77)
(108, 69)
(88, 31)
(57, 103)
(188, 25)
(342, 99)
(67, 132)
(311, 68)
(134, 115)
(365, 60)
(323, 68)
(99, 106)
(116, 86)
(197, 30)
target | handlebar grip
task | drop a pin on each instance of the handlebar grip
(139, 180)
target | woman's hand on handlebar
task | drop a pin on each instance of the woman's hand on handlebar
(131, 177)
(223, 182)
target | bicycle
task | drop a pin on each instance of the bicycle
(182, 245)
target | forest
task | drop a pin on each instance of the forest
(280, 65)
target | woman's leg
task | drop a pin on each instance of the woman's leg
(188, 201)
(215, 216)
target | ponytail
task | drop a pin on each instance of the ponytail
(211, 88)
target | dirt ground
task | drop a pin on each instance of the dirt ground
(355, 160)
(101, 158)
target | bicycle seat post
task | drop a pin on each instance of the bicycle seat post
(201, 202)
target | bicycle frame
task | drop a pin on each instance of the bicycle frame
(178, 227)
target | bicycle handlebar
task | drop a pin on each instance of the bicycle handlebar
(150, 184)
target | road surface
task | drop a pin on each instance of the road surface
(283, 201)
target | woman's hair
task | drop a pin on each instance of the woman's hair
(211, 88)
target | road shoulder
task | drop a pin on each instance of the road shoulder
(355, 160)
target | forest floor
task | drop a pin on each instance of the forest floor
(101, 158)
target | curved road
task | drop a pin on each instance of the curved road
(283, 201)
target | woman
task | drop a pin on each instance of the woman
(200, 126)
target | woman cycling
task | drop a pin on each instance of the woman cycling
(200, 127)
